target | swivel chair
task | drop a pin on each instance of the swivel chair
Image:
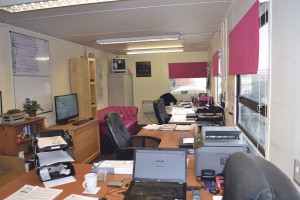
(160, 111)
(123, 143)
(250, 177)
(168, 98)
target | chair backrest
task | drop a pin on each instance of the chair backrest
(168, 98)
(251, 177)
(117, 130)
(160, 111)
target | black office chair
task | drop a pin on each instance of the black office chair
(123, 143)
(168, 98)
(250, 177)
(160, 111)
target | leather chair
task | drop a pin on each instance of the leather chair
(123, 143)
(160, 111)
(168, 98)
(250, 177)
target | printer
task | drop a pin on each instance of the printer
(217, 143)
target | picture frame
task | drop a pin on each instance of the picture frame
(143, 69)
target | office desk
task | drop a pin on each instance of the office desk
(170, 139)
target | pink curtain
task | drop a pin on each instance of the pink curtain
(188, 70)
(215, 64)
(244, 44)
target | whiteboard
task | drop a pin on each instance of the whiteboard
(31, 70)
(36, 88)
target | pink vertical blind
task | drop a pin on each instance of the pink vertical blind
(188, 70)
(244, 43)
(215, 64)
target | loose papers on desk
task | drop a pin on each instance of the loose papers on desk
(114, 166)
(152, 127)
(34, 193)
(168, 127)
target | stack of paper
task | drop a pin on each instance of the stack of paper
(184, 128)
(52, 157)
(168, 127)
(114, 166)
(152, 127)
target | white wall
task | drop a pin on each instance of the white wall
(150, 88)
(60, 52)
(284, 107)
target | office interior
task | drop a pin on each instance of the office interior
(283, 136)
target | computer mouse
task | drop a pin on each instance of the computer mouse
(102, 198)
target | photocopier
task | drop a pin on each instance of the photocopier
(214, 145)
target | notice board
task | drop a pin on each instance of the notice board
(31, 70)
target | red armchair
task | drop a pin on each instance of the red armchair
(129, 117)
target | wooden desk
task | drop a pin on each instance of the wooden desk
(170, 139)
(31, 178)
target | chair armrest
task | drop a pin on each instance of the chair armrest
(125, 153)
(145, 141)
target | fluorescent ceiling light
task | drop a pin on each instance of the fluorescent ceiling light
(155, 47)
(151, 38)
(150, 51)
(28, 5)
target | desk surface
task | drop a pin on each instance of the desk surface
(170, 139)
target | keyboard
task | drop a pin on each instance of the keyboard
(80, 122)
(164, 190)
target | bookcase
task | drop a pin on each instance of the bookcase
(9, 133)
(83, 82)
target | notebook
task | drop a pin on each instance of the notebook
(153, 168)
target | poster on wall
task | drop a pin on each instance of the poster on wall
(143, 69)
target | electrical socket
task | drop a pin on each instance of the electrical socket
(297, 171)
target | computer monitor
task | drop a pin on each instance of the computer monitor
(66, 108)
(118, 65)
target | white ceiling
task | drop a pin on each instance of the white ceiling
(195, 20)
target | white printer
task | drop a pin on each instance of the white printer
(217, 143)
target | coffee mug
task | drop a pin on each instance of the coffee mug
(90, 182)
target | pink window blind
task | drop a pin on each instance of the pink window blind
(215, 64)
(244, 43)
(188, 70)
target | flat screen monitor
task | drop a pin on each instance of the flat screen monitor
(66, 108)
(118, 65)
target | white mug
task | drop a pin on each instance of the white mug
(90, 182)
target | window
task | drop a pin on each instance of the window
(188, 85)
(253, 91)
(219, 81)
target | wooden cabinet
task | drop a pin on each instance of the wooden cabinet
(120, 92)
(86, 140)
(83, 82)
(9, 133)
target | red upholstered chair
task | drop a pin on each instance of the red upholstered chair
(128, 115)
